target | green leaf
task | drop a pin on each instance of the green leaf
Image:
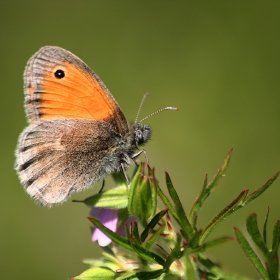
(265, 226)
(259, 191)
(276, 237)
(167, 203)
(190, 268)
(242, 200)
(184, 222)
(273, 256)
(207, 189)
(152, 224)
(115, 198)
(153, 238)
(248, 250)
(230, 208)
(96, 273)
(253, 230)
(145, 254)
(219, 175)
(206, 246)
(197, 203)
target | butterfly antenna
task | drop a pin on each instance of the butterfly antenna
(158, 111)
(140, 107)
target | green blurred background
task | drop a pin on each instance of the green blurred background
(218, 61)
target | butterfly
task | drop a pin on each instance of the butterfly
(77, 132)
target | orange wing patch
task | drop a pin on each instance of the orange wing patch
(76, 95)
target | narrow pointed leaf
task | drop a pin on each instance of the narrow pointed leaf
(206, 189)
(276, 238)
(167, 203)
(184, 222)
(253, 230)
(230, 208)
(153, 238)
(197, 203)
(152, 224)
(206, 246)
(194, 222)
(265, 227)
(217, 178)
(259, 191)
(145, 254)
(248, 250)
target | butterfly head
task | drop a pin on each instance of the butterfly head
(142, 133)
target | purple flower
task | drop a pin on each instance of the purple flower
(109, 218)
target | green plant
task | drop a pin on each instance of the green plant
(158, 250)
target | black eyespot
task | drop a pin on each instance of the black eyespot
(59, 74)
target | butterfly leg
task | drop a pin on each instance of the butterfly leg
(138, 153)
(102, 187)
(125, 175)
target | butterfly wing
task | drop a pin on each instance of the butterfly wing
(75, 127)
(58, 157)
(58, 84)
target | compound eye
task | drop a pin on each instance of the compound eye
(139, 136)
